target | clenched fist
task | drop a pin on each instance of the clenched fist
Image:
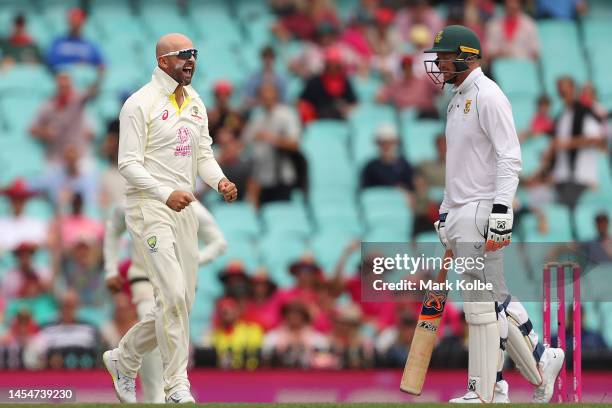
(228, 189)
(179, 200)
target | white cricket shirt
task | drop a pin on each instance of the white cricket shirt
(163, 146)
(483, 156)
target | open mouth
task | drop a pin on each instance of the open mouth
(188, 71)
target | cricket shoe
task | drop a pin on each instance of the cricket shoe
(125, 387)
(500, 395)
(180, 397)
(550, 364)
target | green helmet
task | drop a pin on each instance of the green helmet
(456, 38)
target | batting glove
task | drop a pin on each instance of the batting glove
(499, 232)
(439, 226)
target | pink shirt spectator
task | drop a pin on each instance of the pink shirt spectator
(513, 37)
(74, 228)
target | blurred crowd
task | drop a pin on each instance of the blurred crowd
(53, 268)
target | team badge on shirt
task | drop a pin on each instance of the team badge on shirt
(468, 104)
(152, 241)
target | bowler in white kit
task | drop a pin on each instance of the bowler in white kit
(483, 161)
(164, 143)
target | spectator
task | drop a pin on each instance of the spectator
(307, 274)
(263, 308)
(235, 281)
(424, 208)
(515, 35)
(266, 75)
(26, 280)
(329, 95)
(351, 349)
(311, 61)
(67, 337)
(236, 163)
(112, 184)
(410, 91)
(599, 250)
(15, 340)
(433, 170)
(222, 114)
(273, 132)
(69, 229)
(295, 344)
(376, 315)
(61, 120)
(560, 9)
(355, 36)
(73, 48)
(541, 123)
(385, 42)
(236, 342)
(72, 176)
(389, 168)
(452, 350)
(588, 97)
(81, 270)
(393, 343)
(577, 137)
(19, 227)
(19, 47)
(591, 339)
(418, 12)
(124, 317)
(300, 20)
(420, 37)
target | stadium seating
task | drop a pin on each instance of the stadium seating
(517, 77)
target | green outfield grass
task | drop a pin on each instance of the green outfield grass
(296, 405)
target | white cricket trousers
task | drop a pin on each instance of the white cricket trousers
(167, 242)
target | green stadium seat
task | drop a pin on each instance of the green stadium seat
(326, 129)
(386, 208)
(531, 152)
(517, 77)
(43, 308)
(364, 121)
(278, 251)
(33, 80)
(419, 138)
(523, 109)
(238, 219)
(366, 88)
(339, 218)
(285, 217)
(558, 225)
(395, 233)
(327, 248)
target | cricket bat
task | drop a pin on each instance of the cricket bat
(425, 335)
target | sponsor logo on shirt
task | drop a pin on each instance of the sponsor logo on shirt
(468, 104)
(165, 115)
(183, 147)
(195, 113)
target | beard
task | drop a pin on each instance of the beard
(180, 75)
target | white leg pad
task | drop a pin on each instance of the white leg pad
(523, 346)
(484, 350)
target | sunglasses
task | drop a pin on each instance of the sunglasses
(183, 54)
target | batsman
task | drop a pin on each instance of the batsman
(483, 161)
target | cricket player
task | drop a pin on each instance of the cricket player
(142, 290)
(163, 144)
(483, 160)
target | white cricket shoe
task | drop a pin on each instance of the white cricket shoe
(125, 387)
(500, 395)
(550, 365)
(180, 397)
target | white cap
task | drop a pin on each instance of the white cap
(386, 133)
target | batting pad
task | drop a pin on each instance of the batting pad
(484, 351)
(523, 343)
